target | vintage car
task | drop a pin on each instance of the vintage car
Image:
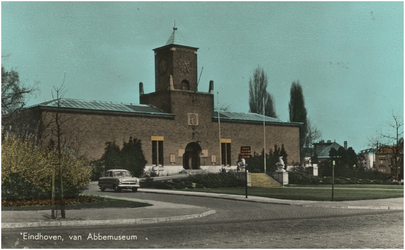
(118, 179)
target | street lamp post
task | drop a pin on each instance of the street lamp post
(246, 182)
(333, 180)
(264, 139)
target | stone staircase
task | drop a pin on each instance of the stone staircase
(263, 180)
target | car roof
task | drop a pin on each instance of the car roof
(117, 170)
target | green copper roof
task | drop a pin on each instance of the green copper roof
(143, 109)
(76, 104)
(227, 116)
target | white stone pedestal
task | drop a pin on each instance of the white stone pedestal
(315, 170)
(282, 177)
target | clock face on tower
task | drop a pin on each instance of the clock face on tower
(185, 64)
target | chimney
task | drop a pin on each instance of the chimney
(211, 88)
(141, 89)
(345, 143)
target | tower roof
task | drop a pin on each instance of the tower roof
(176, 38)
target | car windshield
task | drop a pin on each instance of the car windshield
(122, 174)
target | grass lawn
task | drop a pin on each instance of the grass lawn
(319, 192)
(81, 202)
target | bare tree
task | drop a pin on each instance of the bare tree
(390, 133)
(313, 134)
(13, 92)
(15, 118)
(396, 124)
(55, 125)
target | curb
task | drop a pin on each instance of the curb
(104, 222)
(263, 200)
(355, 207)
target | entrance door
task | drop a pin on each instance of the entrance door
(191, 157)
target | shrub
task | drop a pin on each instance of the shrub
(31, 169)
(217, 180)
(301, 178)
(17, 187)
(129, 157)
(307, 179)
(197, 181)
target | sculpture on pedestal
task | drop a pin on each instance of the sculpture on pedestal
(241, 164)
(280, 165)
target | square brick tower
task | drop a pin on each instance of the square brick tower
(176, 83)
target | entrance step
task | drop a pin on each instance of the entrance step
(263, 180)
(195, 171)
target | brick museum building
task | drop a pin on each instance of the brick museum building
(177, 124)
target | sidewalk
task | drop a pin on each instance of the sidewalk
(159, 212)
(165, 212)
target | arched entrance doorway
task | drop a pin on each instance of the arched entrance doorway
(191, 157)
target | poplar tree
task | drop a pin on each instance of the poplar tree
(258, 94)
(297, 110)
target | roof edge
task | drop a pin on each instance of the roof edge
(175, 45)
(106, 112)
(280, 123)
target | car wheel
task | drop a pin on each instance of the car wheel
(116, 188)
(102, 188)
(134, 189)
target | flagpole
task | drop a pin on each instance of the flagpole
(219, 129)
(264, 138)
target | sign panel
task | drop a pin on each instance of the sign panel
(245, 151)
(157, 138)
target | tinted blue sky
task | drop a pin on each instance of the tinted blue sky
(348, 56)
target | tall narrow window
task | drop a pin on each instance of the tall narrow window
(157, 150)
(223, 153)
(160, 150)
(226, 152)
(154, 152)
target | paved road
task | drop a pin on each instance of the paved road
(231, 210)
(237, 224)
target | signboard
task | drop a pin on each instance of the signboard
(245, 151)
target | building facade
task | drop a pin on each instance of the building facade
(389, 160)
(321, 150)
(176, 123)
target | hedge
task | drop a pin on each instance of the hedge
(308, 179)
(197, 181)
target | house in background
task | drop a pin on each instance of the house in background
(389, 160)
(319, 153)
(322, 149)
(367, 158)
